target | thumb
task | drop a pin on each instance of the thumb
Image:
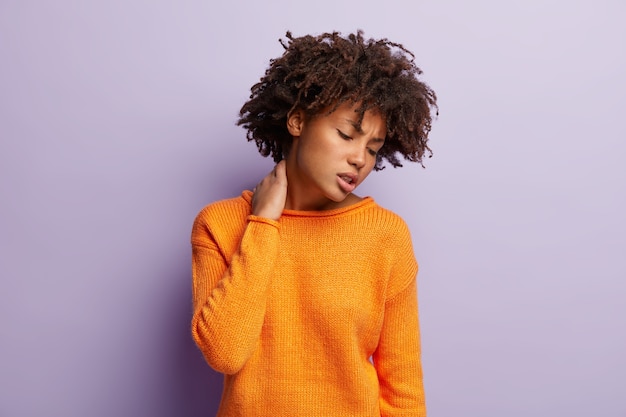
(281, 170)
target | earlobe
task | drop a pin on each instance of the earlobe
(295, 120)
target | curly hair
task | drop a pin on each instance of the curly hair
(319, 72)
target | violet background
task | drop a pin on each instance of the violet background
(117, 127)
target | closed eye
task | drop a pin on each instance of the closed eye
(343, 135)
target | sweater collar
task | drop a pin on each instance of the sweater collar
(364, 203)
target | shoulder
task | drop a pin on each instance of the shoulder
(395, 245)
(222, 216)
(223, 209)
(386, 222)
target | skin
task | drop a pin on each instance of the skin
(324, 150)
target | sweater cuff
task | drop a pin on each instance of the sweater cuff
(253, 218)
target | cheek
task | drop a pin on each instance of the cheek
(366, 172)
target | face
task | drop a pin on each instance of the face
(330, 156)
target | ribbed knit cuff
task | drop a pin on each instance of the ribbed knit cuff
(253, 218)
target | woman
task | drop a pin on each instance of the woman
(305, 293)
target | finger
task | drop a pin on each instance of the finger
(275, 170)
(280, 168)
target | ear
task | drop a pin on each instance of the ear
(295, 122)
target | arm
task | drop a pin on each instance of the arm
(230, 299)
(397, 358)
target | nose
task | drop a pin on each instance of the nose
(357, 157)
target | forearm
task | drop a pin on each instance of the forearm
(398, 358)
(230, 299)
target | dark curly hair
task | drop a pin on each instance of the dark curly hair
(325, 71)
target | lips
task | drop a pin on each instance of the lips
(347, 181)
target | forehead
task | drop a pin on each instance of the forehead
(349, 113)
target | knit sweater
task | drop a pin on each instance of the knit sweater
(311, 315)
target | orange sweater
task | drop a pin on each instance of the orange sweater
(311, 315)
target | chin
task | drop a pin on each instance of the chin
(339, 198)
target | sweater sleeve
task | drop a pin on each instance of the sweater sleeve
(229, 299)
(397, 358)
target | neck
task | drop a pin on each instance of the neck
(304, 196)
(300, 198)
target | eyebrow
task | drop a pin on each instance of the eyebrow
(358, 128)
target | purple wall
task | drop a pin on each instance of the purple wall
(117, 126)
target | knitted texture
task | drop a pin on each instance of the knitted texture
(311, 315)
